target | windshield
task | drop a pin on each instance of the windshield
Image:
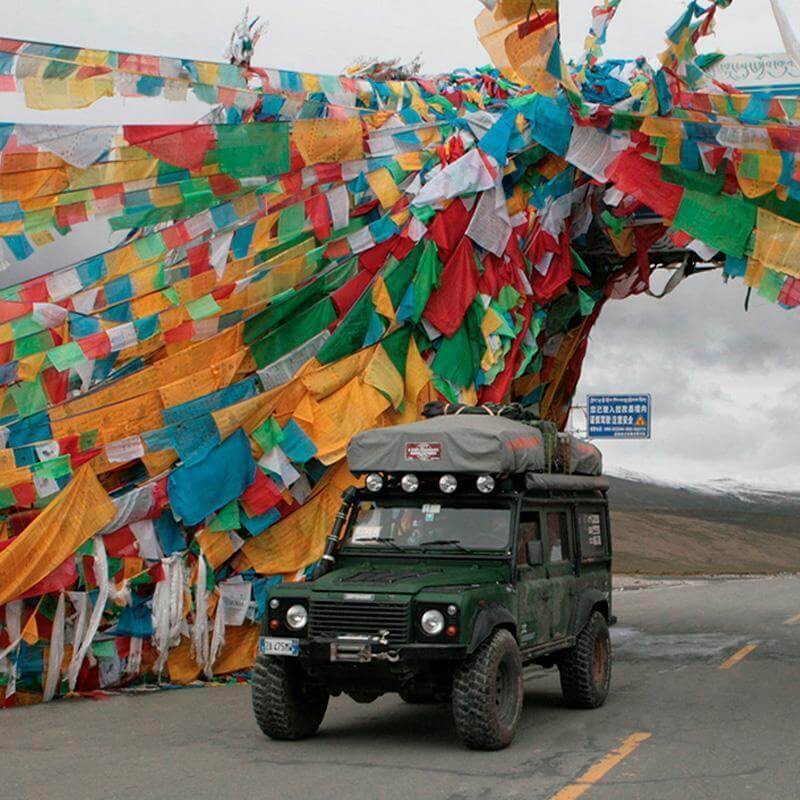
(430, 525)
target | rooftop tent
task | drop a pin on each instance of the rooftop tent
(465, 443)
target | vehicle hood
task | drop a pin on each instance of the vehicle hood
(407, 578)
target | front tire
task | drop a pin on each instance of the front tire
(487, 694)
(285, 705)
(586, 668)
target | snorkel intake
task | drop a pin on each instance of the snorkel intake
(328, 560)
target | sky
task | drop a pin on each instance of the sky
(725, 382)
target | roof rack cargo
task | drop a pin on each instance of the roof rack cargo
(472, 443)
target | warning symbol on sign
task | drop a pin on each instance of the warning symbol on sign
(641, 421)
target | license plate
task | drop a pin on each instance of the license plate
(269, 646)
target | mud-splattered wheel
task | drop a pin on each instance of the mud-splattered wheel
(285, 705)
(586, 668)
(487, 694)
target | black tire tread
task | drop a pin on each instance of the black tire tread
(575, 666)
(473, 695)
(278, 710)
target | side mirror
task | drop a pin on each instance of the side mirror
(535, 551)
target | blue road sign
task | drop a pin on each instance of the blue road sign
(618, 416)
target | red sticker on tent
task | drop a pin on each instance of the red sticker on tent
(423, 451)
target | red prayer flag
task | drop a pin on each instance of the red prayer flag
(459, 285)
(262, 495)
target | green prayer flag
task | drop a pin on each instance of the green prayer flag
(586, 303)
(58, 467)
(723, 221)
(203, 307)
(291, 222)
(24, 326)
(268, 434)
(258, 149)
(32, 344)
(508, 297)
(29, 397)
(771, 285)
(400, 274)
(227, 518)
(171, 293)
(429, 271)
(149, 247)
(66, 356)
(7, 498)
(459, 357)
(104, 649)
(396, 347)
(351, 333)
(295, 332)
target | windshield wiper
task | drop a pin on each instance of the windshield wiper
(381, 540)
(440, 542)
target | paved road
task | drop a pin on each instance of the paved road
(713, 733)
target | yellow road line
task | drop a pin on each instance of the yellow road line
(792, 620)
(599, 770)
(738, 656)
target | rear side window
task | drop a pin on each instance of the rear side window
(593, 534)
(528, 532)
(558, 536)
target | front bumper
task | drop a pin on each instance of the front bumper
(363, 650)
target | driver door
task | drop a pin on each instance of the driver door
(533, 616)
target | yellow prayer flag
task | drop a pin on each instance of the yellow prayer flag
(777, 243)
(79, 511)
(382, 183)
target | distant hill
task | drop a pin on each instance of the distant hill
(722, 527)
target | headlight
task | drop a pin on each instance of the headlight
(485, 484)
(448, 484)
(374, 482)
(432, 622)
(297, 617)
(410, 483)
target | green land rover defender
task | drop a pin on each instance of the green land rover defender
(479, 545)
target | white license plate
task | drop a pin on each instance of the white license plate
(270, 646)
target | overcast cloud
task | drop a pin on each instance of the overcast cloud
(724, 382)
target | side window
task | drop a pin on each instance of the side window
(593, 536)
(558, 536)
(529, 531)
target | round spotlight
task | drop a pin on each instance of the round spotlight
(432, 622)
(485, 484)
(274, 603)
(374, 482)
(410, 483)
(452, 611)
(448, 484)
(297, 617)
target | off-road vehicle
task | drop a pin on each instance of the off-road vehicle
(464, 558)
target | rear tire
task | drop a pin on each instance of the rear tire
(487, 694)
(285, 705)
(586, 668)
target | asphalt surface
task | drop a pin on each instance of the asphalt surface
(713, 733)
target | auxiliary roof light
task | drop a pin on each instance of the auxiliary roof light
(485, 484)
(374, 482)
(409, 483)
(448, 484)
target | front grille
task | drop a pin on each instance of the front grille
(334, 618)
